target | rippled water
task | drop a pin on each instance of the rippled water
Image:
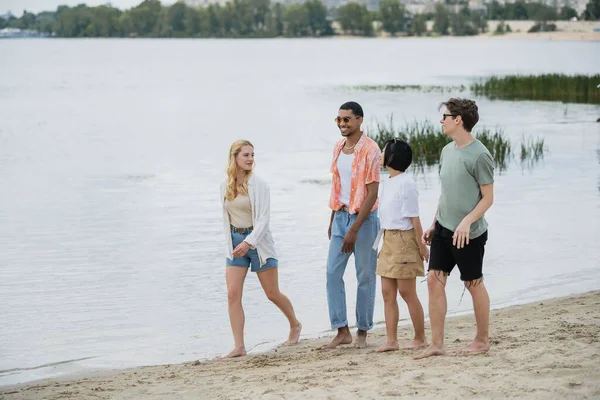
(111, 151)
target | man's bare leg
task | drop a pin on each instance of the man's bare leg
(389, 289)
(481, 306)
(343, 337)
(436, 283)
(408, 291)
(361, 339)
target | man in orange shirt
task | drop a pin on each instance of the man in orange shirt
(354, 224)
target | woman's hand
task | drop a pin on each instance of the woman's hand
(241, 249)
(424, 252)
(426, 238)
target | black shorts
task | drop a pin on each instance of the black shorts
(444, 255)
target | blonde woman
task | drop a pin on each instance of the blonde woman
(249, 243)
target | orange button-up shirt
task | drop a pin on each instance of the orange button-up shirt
(365, 170)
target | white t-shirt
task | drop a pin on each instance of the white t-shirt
(398, 202)
(344, 165)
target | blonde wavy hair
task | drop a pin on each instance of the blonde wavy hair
(232, 190)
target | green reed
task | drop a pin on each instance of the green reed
(427, 141)
(498, 145)
(553, 87)
(532, 150)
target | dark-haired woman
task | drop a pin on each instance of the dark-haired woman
(402, 254)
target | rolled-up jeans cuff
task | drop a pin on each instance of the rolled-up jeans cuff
(339, 325)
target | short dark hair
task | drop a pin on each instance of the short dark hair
(397, 154)
(354, 107)
(467, 109)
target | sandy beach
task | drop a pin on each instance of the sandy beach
(547, 349)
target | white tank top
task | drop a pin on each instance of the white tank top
(344, 165)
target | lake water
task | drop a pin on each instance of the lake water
(111, 153)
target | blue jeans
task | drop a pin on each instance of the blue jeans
(366, 263)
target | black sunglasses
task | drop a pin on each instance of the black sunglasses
(444, 116)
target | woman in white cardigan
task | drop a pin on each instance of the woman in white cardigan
(249, 242)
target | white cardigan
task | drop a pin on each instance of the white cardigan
(261, 237)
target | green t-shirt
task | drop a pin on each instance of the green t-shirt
(462, 170)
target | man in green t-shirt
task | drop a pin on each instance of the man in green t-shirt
(459, 230)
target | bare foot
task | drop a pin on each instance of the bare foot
(343, 337)
(237, 352)
(432, 350)
(361, 339)
(388, 347)
(416, 344)
(294, 334)
(476, 347)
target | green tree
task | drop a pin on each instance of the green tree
(261, 11)
(317, 18)
(392, 14)
(215, 23)
(495, 11)
(27, 21)
(541, 12)
(418, 25)
(192, 22)
(104, 22)
(355, 19)
(145, 17)
(518, 10)
(441, 19)
(276, 22)
(296, 20)
(461, 25)
(241, 18)
(592, 11)
(175, 18)
(500, 28)
(74, 22)
(479, 22)
(126, 24)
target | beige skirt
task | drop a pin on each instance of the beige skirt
(400, 257)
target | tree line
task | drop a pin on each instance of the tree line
(263, 18)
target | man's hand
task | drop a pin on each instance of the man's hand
(349, 240)
(461, 235)
(424, 252)
(241, 249)
(426, 238)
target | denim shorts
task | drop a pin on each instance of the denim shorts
(250, 259)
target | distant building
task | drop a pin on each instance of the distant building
(20, 33)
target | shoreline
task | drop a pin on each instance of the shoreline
(560, 35)
(545, 348)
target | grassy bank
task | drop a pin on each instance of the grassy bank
(553, 87)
